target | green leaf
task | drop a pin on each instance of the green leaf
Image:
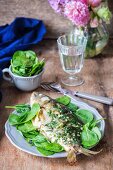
(39, 138)
(26, 127)
(20, 108)
(95, 122)
(16, 119)
(30, 135)
(26, 63)
(37, 68)
(45, 152)
(18, 58)
(63, 100)
(89, 138)
(24, 116)
(84, 115)
(54, 147)
(97, 131)
(72, 107)
(34, 110)
(13, 119)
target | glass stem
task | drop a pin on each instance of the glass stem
(72, 76)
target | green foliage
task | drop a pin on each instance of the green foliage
(39, 139)
(84, 115)
(97, 131)
(26, 127)
(20, 108)
(72, 107)
(89, 138)
(24, 124)
(54, 147)
(26, 63)
(14, 119)
(30, 135)
(90, 135)
(63, 100)
(24, 117)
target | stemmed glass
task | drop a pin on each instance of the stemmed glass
(71, 49)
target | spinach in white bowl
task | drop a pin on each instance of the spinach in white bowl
(26, 64)
(25, 71)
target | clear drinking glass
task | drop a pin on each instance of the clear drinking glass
(71, 49)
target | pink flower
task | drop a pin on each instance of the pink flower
(58, 5)
(94, 3)
(84, 1)
(77, 11)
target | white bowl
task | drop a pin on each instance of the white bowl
(23, 83)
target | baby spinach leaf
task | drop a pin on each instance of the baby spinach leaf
(17, 119)
(26, 63)
(34, 110)
(54, 147)
(20, 108)
(30, 135)
(63, 100)
(72, 107)
(97, 131)
(13, 119)
(26, 127)
(24, 116)
(39, 138)
(37, 68)
(89, 138)
(45, 152)
(34, 137)
(95, 122)
(84, 115)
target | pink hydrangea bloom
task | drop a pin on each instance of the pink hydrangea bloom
(58, 5)
(77, 11)
(84, 1)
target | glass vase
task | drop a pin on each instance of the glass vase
(97, 39)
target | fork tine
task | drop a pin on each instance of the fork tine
(44, 86)
(48, 87)
(55, 84)
(51, 88)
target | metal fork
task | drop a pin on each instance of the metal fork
(56, 87)
(48, 86)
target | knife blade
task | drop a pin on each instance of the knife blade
(73, 94)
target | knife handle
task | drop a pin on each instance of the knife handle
(100, 99)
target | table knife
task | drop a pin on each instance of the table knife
(72, 94)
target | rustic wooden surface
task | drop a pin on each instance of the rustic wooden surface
(98, 76)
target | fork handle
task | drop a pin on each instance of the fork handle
(100, 99)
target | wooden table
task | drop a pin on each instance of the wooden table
(98, 76)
